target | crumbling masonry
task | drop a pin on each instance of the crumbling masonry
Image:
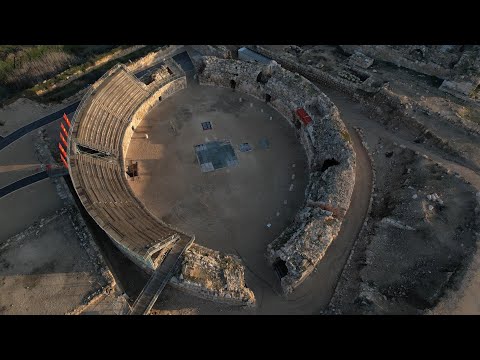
(329, 151)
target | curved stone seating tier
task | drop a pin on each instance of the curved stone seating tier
(105, 194)
(111, 106)
(104, 119)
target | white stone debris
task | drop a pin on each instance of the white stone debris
(396, 223)
(269, 225)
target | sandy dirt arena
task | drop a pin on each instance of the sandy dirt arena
(227, 209)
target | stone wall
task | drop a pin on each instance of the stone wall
(164, 91)
(430, 60)
(460, 69)
(383, 100)
(219, 51)
(302, 245)
(213, 276)
(153, 57)
(291, 63)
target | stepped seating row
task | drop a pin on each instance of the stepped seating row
(105, 194)
(102, 122)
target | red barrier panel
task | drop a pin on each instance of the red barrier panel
(63, 140)
(66, 119)
(62, 151)
(63, 129)
(64, 161)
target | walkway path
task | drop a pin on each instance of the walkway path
(22, 183)
(160, 278)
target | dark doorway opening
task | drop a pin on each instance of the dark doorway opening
(268, 98)
(280, 268)
(327, 163)
(169, 71)
(233, 84)
(297, 123)
(159, 98)
(132, 169)
(262, 79)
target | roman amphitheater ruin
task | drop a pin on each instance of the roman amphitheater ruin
(233, 177)
(99, 139)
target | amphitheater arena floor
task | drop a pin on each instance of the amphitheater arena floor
(226, 209)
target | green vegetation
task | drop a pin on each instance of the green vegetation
(22, 66)
(88, 78)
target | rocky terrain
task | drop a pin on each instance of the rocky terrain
(420, 237)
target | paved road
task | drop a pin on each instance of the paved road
(7, 140)
(22, 183)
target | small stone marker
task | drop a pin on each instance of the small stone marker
(269, 225)
(146, 136)
(271, 118)
(293, 165)
(278, 213)
(284, 202)
(291, 187)
(293, 176)
(261, 110)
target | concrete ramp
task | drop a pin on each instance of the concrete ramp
(155, 285)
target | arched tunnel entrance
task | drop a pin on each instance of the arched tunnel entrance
(328, 163)
(280, 268)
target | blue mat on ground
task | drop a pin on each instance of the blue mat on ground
(215, 155)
